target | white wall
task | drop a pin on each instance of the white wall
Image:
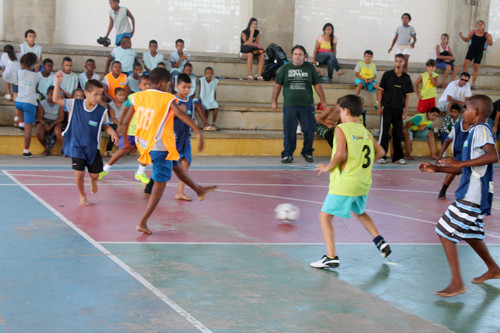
(493, 27)
(205, 25)
(2, 34)
(370, 24)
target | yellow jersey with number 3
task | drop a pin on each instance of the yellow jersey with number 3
(155, 124)
(354, 177)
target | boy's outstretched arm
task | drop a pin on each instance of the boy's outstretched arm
(490, 156)
(427, 167)
(340, 154)
(57, 97)
(188, 121)
(446, 143)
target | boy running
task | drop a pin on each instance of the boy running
(353, 153)
(464, 218)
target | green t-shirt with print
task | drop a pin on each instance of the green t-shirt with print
(298, 82)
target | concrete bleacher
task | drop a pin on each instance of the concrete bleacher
(248, 124)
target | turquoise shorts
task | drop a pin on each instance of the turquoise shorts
(422, 135)
(340, 205)
(369, 86)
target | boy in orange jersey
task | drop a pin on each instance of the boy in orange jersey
(155, 110)
(114, 79)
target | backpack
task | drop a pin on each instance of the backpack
(276, 54)
(270, 71)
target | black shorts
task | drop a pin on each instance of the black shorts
(80, 164)
(477, 56)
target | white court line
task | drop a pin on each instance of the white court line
(167, 300)
(270, 244)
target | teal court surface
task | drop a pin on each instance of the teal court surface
(226, 264)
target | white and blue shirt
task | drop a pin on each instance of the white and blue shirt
(45, 82)
(84, 77)
(126, 57)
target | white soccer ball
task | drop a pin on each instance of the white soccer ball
(287, 212)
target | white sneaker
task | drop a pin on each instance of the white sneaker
(401, 161)
(8, 97)
(382, 161)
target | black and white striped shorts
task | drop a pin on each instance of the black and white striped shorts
(462, 220)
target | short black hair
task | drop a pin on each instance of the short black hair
(29, 59)
(89, 60)
(370, 52)
(137, 64)
(67, 59)
(144, 77)
(29, 31)
(179, 41)
(160, 74)
(300, 47)
(125, 39)
(353, 103)
(115, 62)
(399, 55)
(482, 103)
(431, 62)
(434, 110)
(183, 77)
(467, 75)
(47, 61)
(118, 89)
(152, 41)
(91, 84)
(50, 88)
(456, 106)
(407, 14)
(208, 69)
(188, 64)
(161, 63)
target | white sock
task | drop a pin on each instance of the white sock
(141, 169)
(106, 167)
(25, 151)
(21, 124)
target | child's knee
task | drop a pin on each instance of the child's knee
(94, 176)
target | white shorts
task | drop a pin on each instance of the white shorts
(443, 105)
(404, 49)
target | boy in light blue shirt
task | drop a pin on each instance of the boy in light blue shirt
(47, 79)
(89, 74)
(152, 58)
(70, 80)
(125, 54)
(178, 59)
(133, 79)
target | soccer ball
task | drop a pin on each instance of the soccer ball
(287, 212)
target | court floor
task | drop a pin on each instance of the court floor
(226, 264)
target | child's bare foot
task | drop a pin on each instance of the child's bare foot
(410, 157)
(487, 276)
(442, 199)
(93, 185)
(143, 229)
(340, 72)
(451, 291)
(205, 190)
(182, 196)
(434, 157)
(83, 201)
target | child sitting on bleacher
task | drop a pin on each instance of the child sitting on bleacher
(450, 120)
(420, 126)
(113, 80)
(50, 117)
(365, 73)
(125, 54)
(133, 79)
(326, 123)
(207, 98)
(152, 58)
(70, 80)
(115, 111)
(88, 74)
(47, 78)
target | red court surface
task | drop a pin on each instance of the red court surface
(403, 204)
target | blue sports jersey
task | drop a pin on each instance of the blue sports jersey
(485, 187)
(83, 132)
(460, 137)
(182, 130)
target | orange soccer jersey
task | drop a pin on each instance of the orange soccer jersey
(114, 83)
(155, 124)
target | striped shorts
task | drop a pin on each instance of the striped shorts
(462, 220)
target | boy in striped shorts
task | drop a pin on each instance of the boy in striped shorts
(464, 218)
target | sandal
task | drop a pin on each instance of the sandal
(249, 77)
(260, 78)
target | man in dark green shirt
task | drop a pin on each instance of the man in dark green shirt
(297, 79)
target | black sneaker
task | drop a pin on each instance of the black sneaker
(326, 262)
(27, 155)
(20, 129)
(384, 248)
(104, 41)
(287, 159)
(308, 158)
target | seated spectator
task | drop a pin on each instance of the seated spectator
(420, 127)
(125, 54)
(450, 120)
(133, 79)
(445, 60)
(326, 123)
(113, 80)
(78, 94)
(115, 111)
(152, 58)
(208, 84)
(365, 73)
(88, 74)
(456, 92)
(178, 59)
(325, 51)
(50, 117)
(47, 78)
(70, 79)
(250, 48)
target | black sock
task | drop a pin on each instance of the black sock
(442, 193)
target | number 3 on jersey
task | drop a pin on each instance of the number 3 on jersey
(367, 162)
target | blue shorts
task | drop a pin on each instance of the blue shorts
(131, 141)
(340, 205)
(186, 152)
(29, 111)
(369, 86)
(422, 135)
(442, 64)
(162, 168)
(119, 37)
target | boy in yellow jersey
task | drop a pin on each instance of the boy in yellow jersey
(353, 153)
(366, 74)
(428, 81)
(155, 110)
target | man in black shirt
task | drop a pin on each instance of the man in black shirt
(395, 89)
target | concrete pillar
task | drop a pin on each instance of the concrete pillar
(19, 16)
(459, 18)
(276, 21)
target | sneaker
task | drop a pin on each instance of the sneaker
(8, 97)
(20, 129)
(142, 178)
(326, 262)
(27, 155)
(287, 159)
(401, 161)
(384, 248)
(308, 158)
(473, 87)
(102, 174)
(382, 161)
